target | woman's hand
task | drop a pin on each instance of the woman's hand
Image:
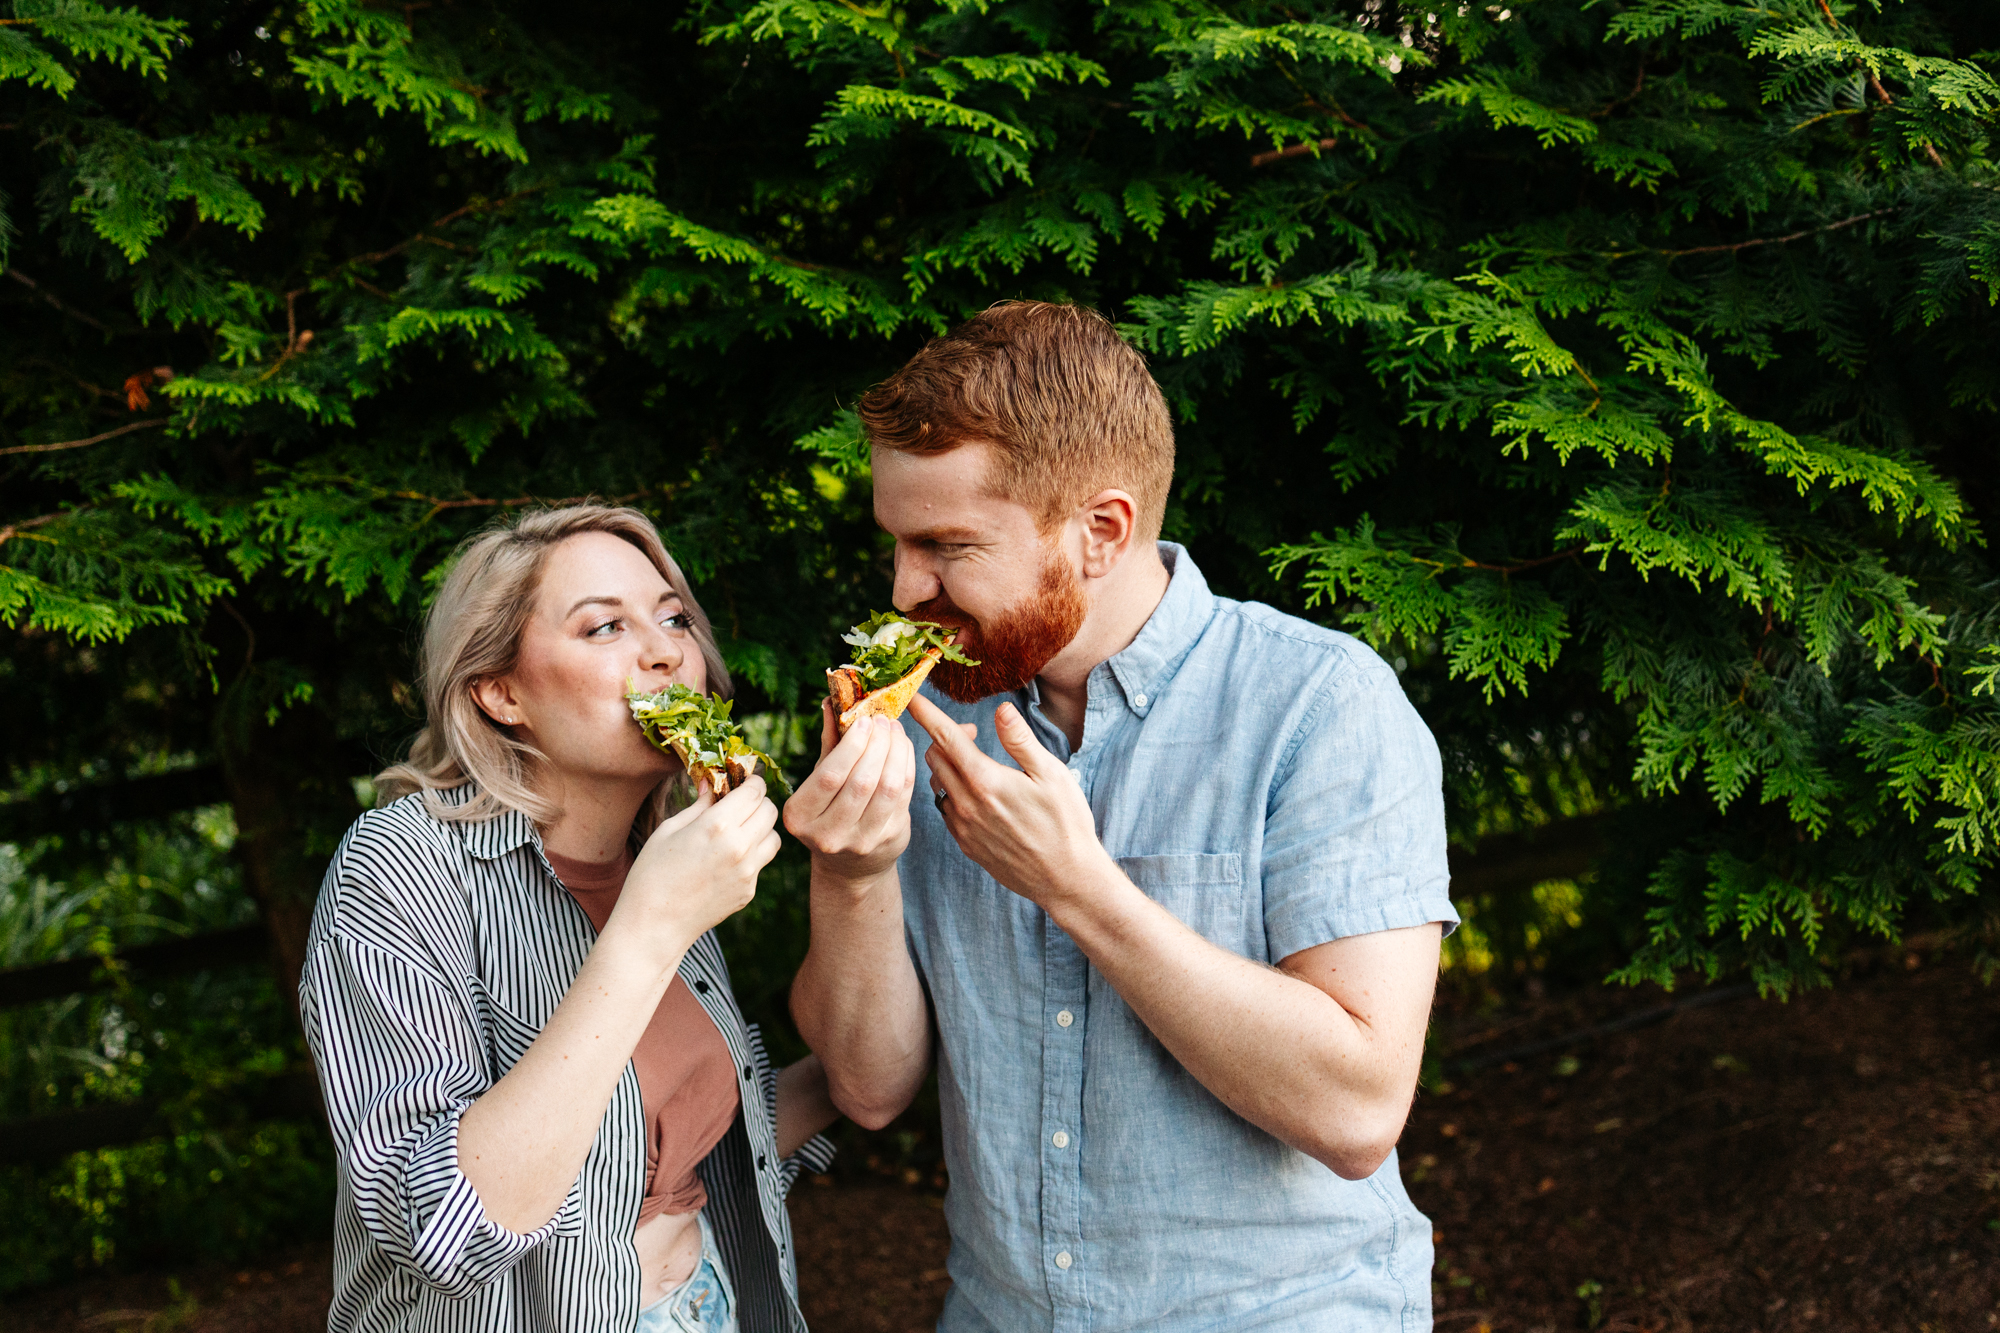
(699, 868)
(853, 813)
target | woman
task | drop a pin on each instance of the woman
(549, 1111)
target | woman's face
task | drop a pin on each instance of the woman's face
(603, 618)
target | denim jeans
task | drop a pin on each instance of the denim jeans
(705, 1303)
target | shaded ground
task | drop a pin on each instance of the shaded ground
(1831, 1164)
(871, 1257)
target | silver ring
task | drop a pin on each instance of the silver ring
(939, 798)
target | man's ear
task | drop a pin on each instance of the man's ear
(495, 697)
(1108, 520)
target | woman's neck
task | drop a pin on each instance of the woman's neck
(596, 817)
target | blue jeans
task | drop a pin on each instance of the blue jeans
(705, 1303)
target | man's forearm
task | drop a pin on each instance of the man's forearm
(857, 1000)
(1278, 1051)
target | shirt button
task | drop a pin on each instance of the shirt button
(1138, 701)
(1065, 1018)
(1063, 1260)
(1077, 773)
(1060, 1138)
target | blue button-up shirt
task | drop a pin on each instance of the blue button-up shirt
(1267, 782)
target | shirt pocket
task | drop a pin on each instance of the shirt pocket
(1206, 893)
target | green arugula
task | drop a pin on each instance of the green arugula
(696, 726)
(888, 647)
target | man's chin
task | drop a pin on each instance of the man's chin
(1014, 647)
(968, 685)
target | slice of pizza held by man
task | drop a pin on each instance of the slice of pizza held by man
(892, 655)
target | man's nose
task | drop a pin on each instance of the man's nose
(916, 580)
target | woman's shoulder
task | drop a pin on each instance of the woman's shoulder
(397, 861)
(403, 831)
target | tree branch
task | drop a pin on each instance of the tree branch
(78, 444)
(1526, 564)
(1296, 150)
(1875, 82)
(1776, 240)
(12, 530)
(50, 297)
(439, 505)
(449, 218)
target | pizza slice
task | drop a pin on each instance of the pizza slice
(696, 728)
(892, 655)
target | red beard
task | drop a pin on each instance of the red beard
(1012, 651)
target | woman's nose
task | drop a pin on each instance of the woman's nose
(664, 651)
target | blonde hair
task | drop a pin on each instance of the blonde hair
(473, 631)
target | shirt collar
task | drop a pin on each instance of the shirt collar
(1143, 669)
(490, 839)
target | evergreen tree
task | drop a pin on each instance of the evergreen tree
(1623, 371)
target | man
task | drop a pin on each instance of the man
(1170, 912)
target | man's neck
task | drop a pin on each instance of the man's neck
(1120, 605)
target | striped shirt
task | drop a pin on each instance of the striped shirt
(438, 951)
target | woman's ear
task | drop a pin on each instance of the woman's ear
(1109, 519)
(495, 697)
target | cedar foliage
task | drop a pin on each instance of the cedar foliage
(1623, 370)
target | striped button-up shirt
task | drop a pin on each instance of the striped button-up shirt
(438, 952)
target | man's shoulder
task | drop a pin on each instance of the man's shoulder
(1264, 640)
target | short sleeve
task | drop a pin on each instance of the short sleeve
(399, 1063)
(1354, 837)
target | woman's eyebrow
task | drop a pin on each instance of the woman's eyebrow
(600, 599)
(606, 599)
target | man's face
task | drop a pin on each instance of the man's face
(970, 557)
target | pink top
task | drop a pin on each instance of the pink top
(687, 1080)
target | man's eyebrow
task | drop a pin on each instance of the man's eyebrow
(944, 536)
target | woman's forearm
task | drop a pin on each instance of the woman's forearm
(805, 1106)
(524, 1141)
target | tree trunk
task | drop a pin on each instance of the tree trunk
(1516, 862)
(291, 783)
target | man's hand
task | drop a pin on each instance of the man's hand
(853, 813)
(1030, 829)
(1321, 1052)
